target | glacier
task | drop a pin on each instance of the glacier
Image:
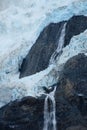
(20, 25)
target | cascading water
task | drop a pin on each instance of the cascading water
(50, 109)
(60, 44)
(50, 115)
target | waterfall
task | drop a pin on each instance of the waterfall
(50, 115)
(50, 104)
(60, 44)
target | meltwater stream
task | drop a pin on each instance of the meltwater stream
(60, 44)
(50, 112)
(50, 104)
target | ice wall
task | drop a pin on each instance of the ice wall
(20, 24)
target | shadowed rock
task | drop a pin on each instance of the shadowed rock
(26, 114)
(75, 26)
(49, 89)
(41, 52)
(70, 97)
(77, 128)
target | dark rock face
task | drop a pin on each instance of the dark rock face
(26, 114)
(75, 76)
(71, 102)
(75, 26)
(79, 127)
(71, 94)
(40, 53)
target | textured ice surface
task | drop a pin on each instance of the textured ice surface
(32, 85)
(20, 24)
(78, 44)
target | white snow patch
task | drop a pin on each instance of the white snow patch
(78, 44)
(86, 54)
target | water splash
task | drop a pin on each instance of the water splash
(50, 112)
(50, 108)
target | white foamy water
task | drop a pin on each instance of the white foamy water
(50, 115)
(60, 44)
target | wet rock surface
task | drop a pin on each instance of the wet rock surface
(41, 52)
(71, 102)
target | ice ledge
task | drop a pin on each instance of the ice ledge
(32, 85)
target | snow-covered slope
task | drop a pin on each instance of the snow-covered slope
(20, 24)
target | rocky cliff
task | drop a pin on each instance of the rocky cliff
(71, 102)
(41, 52)
(29, 35)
